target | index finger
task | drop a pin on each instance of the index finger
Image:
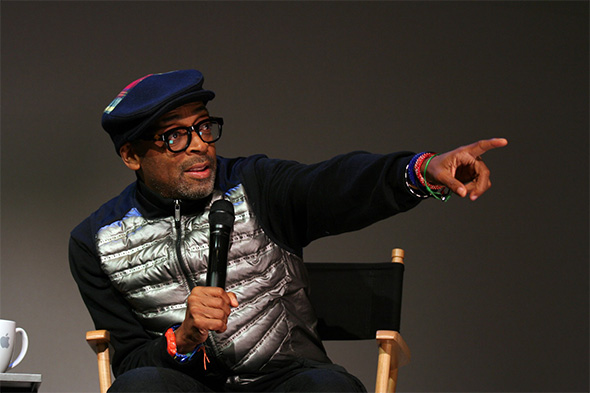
(211, 292)
(478, 148)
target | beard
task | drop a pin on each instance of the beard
(203, 189)
(183, 188)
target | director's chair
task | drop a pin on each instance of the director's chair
(353, 301)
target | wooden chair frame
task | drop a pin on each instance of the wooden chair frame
(393, 351)
(99, 341)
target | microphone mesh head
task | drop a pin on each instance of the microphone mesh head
(222, 213)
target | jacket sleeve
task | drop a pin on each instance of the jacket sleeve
(133, 346)
(299, 203)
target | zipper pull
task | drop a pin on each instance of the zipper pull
(177, 210)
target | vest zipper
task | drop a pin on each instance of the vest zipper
(183, 266)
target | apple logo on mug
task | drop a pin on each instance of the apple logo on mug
(5, 342)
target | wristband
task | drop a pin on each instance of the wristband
(410, 185)
(411, 177)
(182, 358)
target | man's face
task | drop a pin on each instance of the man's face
(189, 174)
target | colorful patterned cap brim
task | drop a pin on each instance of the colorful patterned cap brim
(143, 101)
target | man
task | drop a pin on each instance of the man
(140, 260)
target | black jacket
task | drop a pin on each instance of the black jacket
(295, 204)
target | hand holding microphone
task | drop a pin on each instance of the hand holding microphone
(208, 307)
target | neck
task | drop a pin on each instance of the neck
(157, 205)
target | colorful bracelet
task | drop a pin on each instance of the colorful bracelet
(170, 342)
(410, 185)
(411, 174)
(416, 180)
(443, 195)
(182, 358)
(422, 178)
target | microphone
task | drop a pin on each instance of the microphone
(221, 221)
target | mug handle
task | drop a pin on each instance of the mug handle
(23, 348)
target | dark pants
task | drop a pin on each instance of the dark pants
(302, 379)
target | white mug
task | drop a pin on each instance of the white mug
(8, 332)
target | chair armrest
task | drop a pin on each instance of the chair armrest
(393, 353)
(98, 339)
(400, 355)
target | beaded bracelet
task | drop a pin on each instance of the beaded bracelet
(172, 349)
(422, 178)
(437, 193)
(411, 174)
(416, 181)
(414, 190)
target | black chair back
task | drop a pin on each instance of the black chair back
(354, 300)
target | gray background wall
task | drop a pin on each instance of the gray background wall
(496, 293)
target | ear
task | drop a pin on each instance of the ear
(130, 157)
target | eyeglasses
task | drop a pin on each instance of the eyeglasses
(179, 139)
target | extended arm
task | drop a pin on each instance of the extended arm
(298, 203)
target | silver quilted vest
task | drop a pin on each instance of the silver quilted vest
(274, 320)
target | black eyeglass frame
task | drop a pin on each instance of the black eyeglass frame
(189, 130)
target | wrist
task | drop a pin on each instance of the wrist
(185, 341)
(418, 181)
(422, 173)
(412, 175)
(439, 192)
(182, 353)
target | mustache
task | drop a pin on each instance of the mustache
(211, 162)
